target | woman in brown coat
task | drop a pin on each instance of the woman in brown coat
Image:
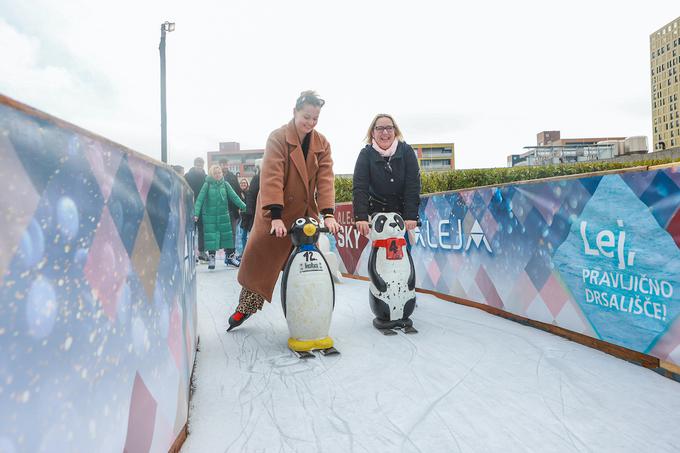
(296, 180)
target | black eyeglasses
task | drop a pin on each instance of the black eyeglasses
(384, 128)
(388, 167)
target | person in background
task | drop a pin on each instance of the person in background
(195, 177)
(234, 214)
(297, 181)
(178, 169)
(243, 193)
(386, 176)
(212, 205)
(251, 200)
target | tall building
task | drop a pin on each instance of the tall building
(435, 156)
(664, 45)
(241, 162)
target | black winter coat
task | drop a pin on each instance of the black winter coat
(233, 182)
(377, 189)
(195, 178)
(251, 203)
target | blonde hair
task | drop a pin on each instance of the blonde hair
(214, 167)
(397, 131)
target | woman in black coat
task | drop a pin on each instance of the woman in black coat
(386, 176)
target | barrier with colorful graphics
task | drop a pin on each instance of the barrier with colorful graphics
(97, 292)
(597, 255)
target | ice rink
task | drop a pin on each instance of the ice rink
(468, 382)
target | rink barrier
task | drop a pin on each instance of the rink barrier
(98, 326)
(666, 369)
(554, 254)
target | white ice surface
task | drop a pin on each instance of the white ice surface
(469, 381)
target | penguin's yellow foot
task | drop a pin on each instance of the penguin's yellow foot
(310, 345)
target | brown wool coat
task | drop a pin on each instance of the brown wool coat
(302, 188)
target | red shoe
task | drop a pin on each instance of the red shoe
(237, 319)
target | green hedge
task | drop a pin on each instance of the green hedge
(465, 179)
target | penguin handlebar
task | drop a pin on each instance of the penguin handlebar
(320, 230)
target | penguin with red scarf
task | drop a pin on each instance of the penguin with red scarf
(392, 294)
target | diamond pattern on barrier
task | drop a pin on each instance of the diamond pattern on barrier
(422, 276)
(456, 289)
(534, 224)
(520, 295)
(444, 283)
(104, 161)
(478, 206)
(558, 231)
(107, 265)
(68, 266)
(454, 261)
(182, 249)
(146, 256)
(538, 311)
(14, 216)
(674, 174)
(490, 225)
(468, 221)
(467, 196)
(538, 269)
(520, 205)
(142, 418)
(142, 172)
(571, 318)
(175, 343)
(158, 203)
(431, 211)
(125, 206)
(472, 290)
(554, 294)
(40, 146)
(433, 272)
(660, 196)
(487, 288)
(590, 184)
(486, 194)
(638, 181)
(673, 227)
(668, 346)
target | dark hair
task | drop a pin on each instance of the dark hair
(309, 97)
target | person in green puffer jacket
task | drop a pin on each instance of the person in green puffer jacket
(212, 205)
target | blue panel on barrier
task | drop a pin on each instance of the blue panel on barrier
(616, 280)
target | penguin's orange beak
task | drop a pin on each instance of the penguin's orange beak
(309, 229)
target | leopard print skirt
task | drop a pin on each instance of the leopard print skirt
(249, 302)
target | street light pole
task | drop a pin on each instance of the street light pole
(165, 27)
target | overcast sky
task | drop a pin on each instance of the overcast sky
(485, 75)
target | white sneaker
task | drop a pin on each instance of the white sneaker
(232, 260)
